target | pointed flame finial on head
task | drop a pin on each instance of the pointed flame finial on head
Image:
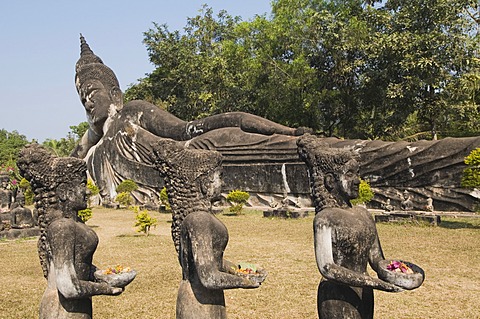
(86, 54)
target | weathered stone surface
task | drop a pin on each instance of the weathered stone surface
(413, 217)
(6, 195)
(66, 245)
(345, 237)
(424, 168)
(259, 155)
(285, 213)
(192, 180)
(20, 233)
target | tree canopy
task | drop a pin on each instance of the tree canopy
(10, 145)
(358, 69)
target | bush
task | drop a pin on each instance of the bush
(85, 214)
(124, 199)
(124, 189)
(127, 186)
(144, 222)
(365, 194)
(238, 198)
(27, 191)
(471, 174)
(94, 190)
(164, 198)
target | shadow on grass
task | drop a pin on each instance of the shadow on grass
(230, 214)
(136, 235)
(459, 224)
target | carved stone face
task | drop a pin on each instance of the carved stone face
(349, 181)
(74, 197)
(99, 103)
(212, 184)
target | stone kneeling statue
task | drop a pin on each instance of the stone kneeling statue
(6, 195)
(66, 245)
(192, 180)
(21, 217)
(346, 239)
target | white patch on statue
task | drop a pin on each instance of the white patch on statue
(64, 280)
(323, 249)
(284, 178)
(410, 170)
(193, 130)
(111, 113)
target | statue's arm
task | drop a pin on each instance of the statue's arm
(87, 141)
(212, 272)
(376, 254)
(61, 237)
(331, 271)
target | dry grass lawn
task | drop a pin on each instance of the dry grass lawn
(449, 255)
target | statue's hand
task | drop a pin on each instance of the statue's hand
(116, 291)
(392, 288)
(249, 284)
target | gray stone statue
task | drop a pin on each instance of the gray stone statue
(6, 195)
(346, 239)
(406, 203)
(66, 245)
(117, 144)
(259, 156)
(192, 180)
(21, 217)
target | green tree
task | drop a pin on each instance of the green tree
(144, 222)
(239, 199)
(191, 76)
(65, 145)
(85, 214)
(431, 40)
(124, 190)
(471, 174)
(164, 198)
(10, 145)
(127, 186)
(27, 191)
(365, 193)
(357, 69)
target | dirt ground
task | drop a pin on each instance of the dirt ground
(448, 254)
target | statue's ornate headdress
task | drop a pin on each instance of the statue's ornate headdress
(90, 67)
(182, 170)
(46, 171)
(321, 159)
(172, 158)
(316, 153)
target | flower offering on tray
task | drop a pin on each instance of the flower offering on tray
(116, 276)
(251, 271)
(401, 273)
(399, 266)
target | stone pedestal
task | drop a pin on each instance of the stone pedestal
(409, 216)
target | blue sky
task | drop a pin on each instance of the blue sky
(40, 46)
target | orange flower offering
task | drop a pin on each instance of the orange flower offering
(246, 269)
(117, 270)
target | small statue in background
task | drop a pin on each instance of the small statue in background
(6, 195)
(429, 206)
(407, 203)
(192, 181)
(22, 217)
(66, 245)
(388, 206)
